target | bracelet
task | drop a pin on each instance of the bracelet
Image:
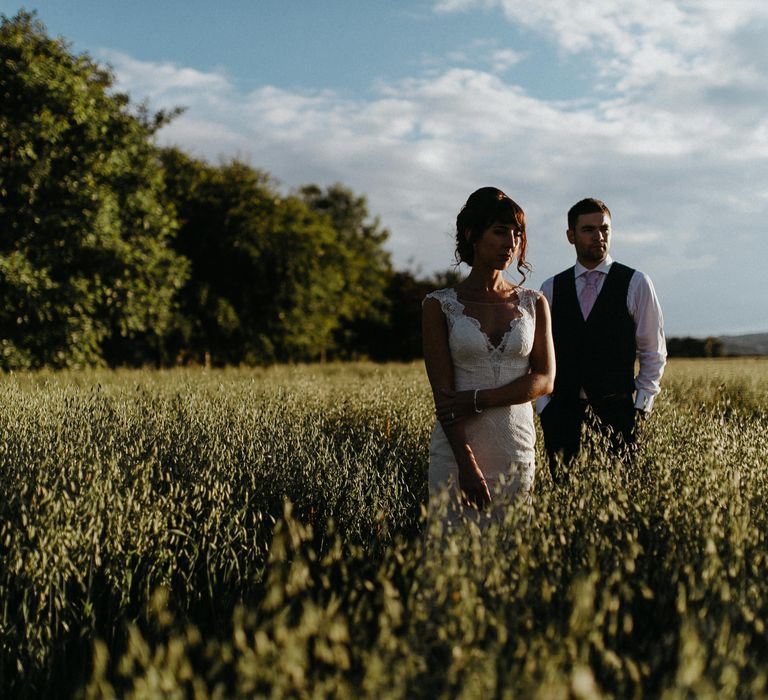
(474, 402)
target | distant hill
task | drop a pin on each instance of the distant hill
(749, 344)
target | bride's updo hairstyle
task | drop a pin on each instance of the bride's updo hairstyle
(484, 207)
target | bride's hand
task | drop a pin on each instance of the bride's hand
(452, 407)
(474, 489)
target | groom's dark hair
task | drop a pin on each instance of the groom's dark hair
(590, 205)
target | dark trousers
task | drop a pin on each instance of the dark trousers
(561, 422)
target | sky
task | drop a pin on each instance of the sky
(657, 107)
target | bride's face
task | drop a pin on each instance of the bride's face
(498, 246)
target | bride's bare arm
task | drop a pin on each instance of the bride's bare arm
(437, 359)
(453, 407)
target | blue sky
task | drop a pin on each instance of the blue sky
(658, 107)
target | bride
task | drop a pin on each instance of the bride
(488, 353)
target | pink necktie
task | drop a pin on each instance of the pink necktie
(589, 292)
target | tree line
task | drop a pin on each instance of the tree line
(695, 347)
(114, 251)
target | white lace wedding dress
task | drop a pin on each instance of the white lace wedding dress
(502, 439)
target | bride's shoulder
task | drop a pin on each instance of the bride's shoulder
(528, 292)
(444, 299)
(528, 297)
(442, 294)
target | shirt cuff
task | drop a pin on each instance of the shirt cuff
(644, 400)
(541, 402)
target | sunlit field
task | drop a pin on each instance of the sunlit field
(257, 533)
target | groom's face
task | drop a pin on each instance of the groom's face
(591, 238)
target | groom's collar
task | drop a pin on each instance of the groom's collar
(604, 267)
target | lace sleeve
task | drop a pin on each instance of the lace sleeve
(431, 295)
(449, 303)
(528, 300)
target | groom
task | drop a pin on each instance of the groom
(604, 316)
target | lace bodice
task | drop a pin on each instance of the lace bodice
(490, 345)
(478, 362)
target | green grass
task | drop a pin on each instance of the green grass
(256, 533)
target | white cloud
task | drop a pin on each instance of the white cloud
(461, 5)
(162, 81)
(504, 59)
(634, 43)
(676, 143)
(477, 54)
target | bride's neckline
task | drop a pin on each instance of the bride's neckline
(511, 295)
(495, 348)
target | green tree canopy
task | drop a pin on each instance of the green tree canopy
(362, 304)
(86, 271)
(398, 337)
(268, 274)
(695, 347)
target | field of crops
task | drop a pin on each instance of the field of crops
(257, 533)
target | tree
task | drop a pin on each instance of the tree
(713, 347)
(695, 347)
(86, 271)
(398, 336)
(362, 303)
(267, 272)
